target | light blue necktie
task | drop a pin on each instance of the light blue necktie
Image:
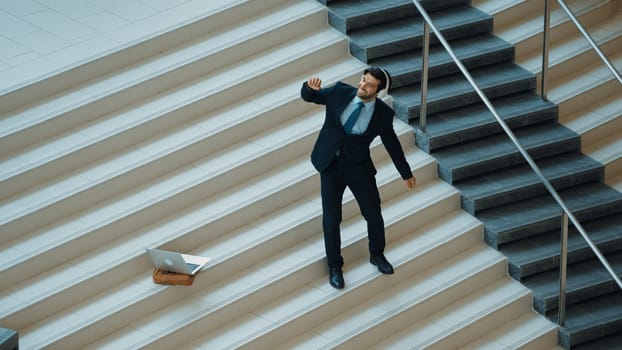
(352, 118)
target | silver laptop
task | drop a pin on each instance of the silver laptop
(176, 262)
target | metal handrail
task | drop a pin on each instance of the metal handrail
(586, 34)
(567, 214)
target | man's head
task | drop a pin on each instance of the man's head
(373, 81)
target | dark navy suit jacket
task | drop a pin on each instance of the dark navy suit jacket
(353, 149)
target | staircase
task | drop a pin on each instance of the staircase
(200, 145)
(520, 218)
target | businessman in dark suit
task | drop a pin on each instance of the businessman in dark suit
(354, 117)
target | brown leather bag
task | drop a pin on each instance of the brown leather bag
(167, 277)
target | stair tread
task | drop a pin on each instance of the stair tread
(495, 81)
(518, 217)
(201, 215)
(542, 252)
(603, 315)
(498, 151)
(460, 125)
(156, 107)
(162, 149)
(405, 34)
(427, 332)
(215, 41)
(250, 280)
(484, 49)
(511, 335)
(303, 306)
(561, 171)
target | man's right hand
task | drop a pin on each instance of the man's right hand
(314, 83)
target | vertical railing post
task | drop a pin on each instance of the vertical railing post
(425, 53)
(545, 48)
(563, 266)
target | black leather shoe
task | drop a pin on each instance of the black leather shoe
(383, 265)
(336, 277)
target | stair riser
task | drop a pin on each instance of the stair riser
(345, 25)
(139, 51)
(514, 122)
(429, 305)
(100, 103)
(164, 120)
(415, 41)
(145, 170)
(586, 57)
(552, 222)
(602, 131)
(508, 160)
(333, 308)
(411, 111)
(567, 340)
(444, 66)
(395, 12)
(271, 289)
(531, 191)
(559, 30)
(578, 101)
(512, 14)
(187, 239)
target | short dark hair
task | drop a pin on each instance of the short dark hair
(379, 74)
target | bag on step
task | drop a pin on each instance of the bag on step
(173, 278)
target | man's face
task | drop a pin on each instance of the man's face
(368, 87)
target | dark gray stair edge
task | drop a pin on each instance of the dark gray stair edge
(452, 92)
(407, 34)
(345, 20)
(605, 343)
(498, 152)
(548, 214)
(595, 327)
(405, 68)
(586, 280)
(476, 121)
(542, 253)
(521, 182)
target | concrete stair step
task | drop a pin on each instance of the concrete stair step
(608, 151)
(542, 214)
(498, 152)
(125, 127)
(512, 335)
(208, 217)
(586, 280)
(104, 224)
(38, 119)
(304, 309)
(607, 342)
(119, 173)
(354, 14)
(226, 296)
(492, 304)
(601, 119)
(143, 41)
(406, 34)
(568, 53)
(541, 253)
(476, 121)
(524, 27)
(455, 91)
(520, 182)
(592, 320)
(473, 52)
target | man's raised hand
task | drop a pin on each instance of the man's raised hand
(314, 83)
